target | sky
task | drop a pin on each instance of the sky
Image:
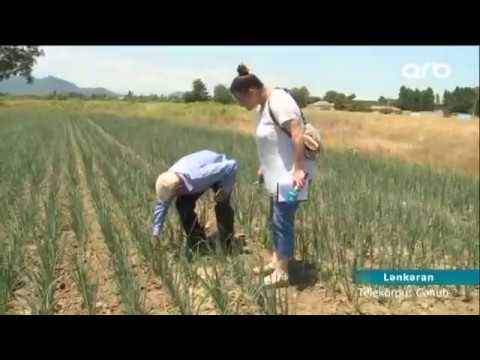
(366, 71)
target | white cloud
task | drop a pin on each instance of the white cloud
(88, 67)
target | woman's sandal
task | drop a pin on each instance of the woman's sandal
(278, 279)
(264, 270)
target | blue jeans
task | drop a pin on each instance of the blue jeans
(282, 219)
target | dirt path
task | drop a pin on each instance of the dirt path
(155, 296)
(96, 253)
(69, 299)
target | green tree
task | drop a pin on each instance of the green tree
(188, 96)
(52, 95)
(427, 100)
(199, 92)
(314, 99)
(344, 102)
(461, 100)
(330, 96)
(446, 97)
(301, 96)
(130, 96)
(341, 102)
(476, 103)
(382, 100)
(416, 100)
(18, 61)
(410, 99)
(222, 95)
(402, 98)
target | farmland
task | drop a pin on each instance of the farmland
(76, 187)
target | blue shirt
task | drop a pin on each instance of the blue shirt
(199, 172)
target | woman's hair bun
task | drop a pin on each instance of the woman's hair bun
(243, 70)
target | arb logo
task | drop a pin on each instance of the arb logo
(415, 71)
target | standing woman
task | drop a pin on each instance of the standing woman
(280, 157)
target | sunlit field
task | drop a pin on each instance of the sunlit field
(76, 186)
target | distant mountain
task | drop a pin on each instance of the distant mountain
(97, 91)
(44, 86)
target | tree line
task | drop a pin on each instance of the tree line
(462, 100)
(221, 94)
(416, 100)
(19, 61)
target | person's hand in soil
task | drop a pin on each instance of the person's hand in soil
(260, 179)
(220, 195)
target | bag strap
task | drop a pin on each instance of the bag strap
(275, 119)
(277, 123)
(299, 108)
